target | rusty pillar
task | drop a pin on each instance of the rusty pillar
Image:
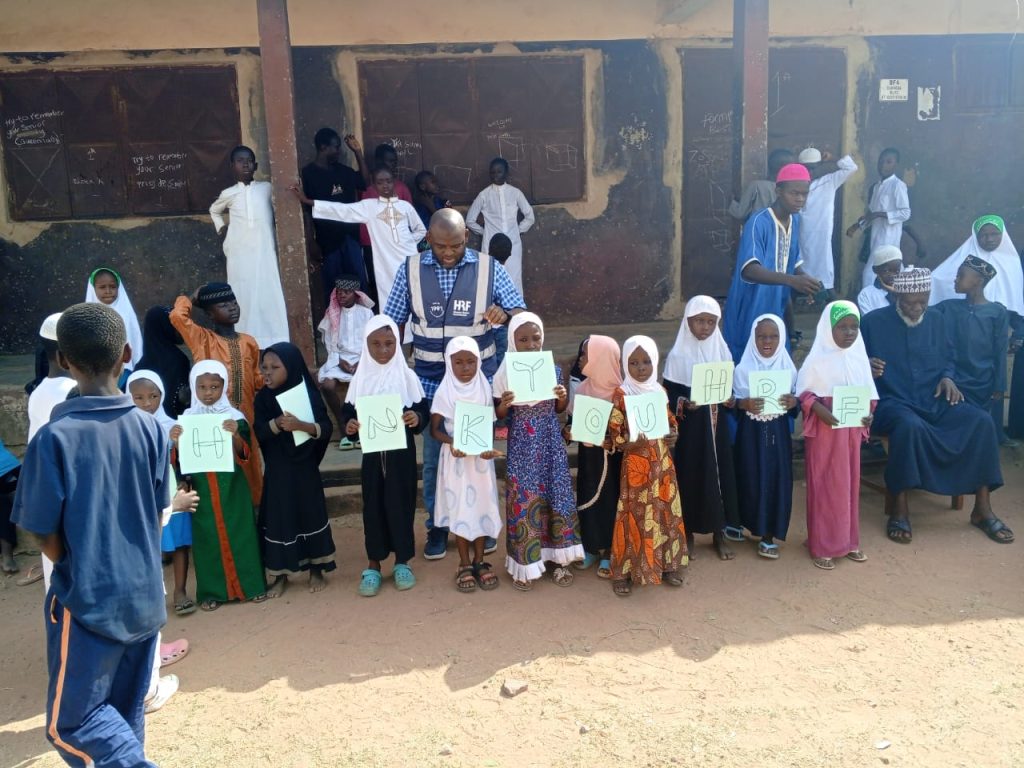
(750, 92)
(279, 111)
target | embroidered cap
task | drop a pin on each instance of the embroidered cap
(347, 283)
(917, 280)
(980, 266)
(214, 293)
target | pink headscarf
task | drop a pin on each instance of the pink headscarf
(793, 172)
(603, 369)
(334, 307)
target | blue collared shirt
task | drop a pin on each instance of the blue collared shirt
(96, 474)
(506, 295)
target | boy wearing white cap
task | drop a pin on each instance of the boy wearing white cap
(818, 216)
(886, 262)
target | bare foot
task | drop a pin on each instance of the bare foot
(278, 587)
(10, 565)
(316, 581)
(689, 546)
(724, 552)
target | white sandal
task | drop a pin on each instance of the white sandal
(562, 576)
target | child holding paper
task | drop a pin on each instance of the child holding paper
(389, 478)
(540, 510)
(764, 452)
(225, 547)
(649, 537)
(837, 358)
(599, 466)
(293, 513)
(703, 454)
(467, 493)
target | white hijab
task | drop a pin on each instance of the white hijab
(123, 306)
(631, 386)
(394, 377)
(1007, 287)
(752, 359)
(689, 350)
(221, 406)
(476, 391)
(166, 422)
(501, 377)
(827, 366)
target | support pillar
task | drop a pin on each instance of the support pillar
(279, 111)
(750, 92)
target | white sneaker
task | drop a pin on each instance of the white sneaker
(166, 688)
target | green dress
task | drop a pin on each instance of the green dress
(225, 547)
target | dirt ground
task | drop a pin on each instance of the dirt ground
(911, 659)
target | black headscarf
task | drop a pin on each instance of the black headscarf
(160, 341)
(267, 408)
(577, 371)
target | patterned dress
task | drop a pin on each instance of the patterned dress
(540, 507)
(649, 537)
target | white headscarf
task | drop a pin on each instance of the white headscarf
(394, 377)
(476, 391)
(827, 366)
(752, 359)
(1007, 287)
(221, 406)
(166, 422)
(123, 306)
(688, 350)
(631, 386)
(501, 377)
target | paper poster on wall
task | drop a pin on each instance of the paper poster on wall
(929, 100)
(893, 89)
(204, 446)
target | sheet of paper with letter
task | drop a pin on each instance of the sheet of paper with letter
(204, 446)
(770, 386)
(712, 383)
(590, 419)
(531, 375)
(296, 402)
(380, 423)
(474, 428)
(850, 406)
(647, 414)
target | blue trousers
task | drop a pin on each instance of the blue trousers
(431, 456)
(95, 698)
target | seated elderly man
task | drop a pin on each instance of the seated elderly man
(937, 441)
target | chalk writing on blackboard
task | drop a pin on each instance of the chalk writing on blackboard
(33, 129)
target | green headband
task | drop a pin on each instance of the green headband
(841, 309)
(995, 221)
(92, 277)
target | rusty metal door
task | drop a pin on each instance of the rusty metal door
(806, 106)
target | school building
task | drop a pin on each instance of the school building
(616, 116)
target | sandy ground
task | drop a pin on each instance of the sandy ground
(752, 663)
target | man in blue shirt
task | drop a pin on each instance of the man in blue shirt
(451, 291)
(92, 486)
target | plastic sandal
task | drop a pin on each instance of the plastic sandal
(733, 534)
(991, 527)
(165, 688)
(895, 527)
(485, 577)
(463, 584)
(604, 569)
(369, 583)
(771, 551)
(209, 605)
(825, 563)
(173, 652)
(185, 607)
(404, 578)
(587, 561)
(857, 556)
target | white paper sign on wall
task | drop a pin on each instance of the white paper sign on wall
(893, 90)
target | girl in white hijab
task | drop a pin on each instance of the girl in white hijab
(763, 447)
(540, 508)
(388, 477)
(149, 390)
(649, 539)
(105, 286)
(467, 490)
(703, 453)
(990, 242)
(837, 359)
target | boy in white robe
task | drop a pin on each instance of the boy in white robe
(251, 251)
(817, 219)
(501, 204)
(888, 209)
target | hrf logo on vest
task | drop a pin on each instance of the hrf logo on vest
(437, 309)
(462, 307)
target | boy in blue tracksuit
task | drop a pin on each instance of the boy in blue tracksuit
(92, 487)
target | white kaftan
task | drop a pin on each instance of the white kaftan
(891, 197)
(395, 229)
(345, 343)
(467, 494)
(251, 254)
(501, 204)
(817, 220)
(871, 298)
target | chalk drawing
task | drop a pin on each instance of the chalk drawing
(722, 240)
(453, 179)
(777, 80)
(560, 157)
(513, 149)
(635, 135)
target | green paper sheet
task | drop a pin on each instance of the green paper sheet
(590, 419)
(531, 375)
(204, 446)
(380, 423)
(770, 386)
(474, 428)
(296, 402)
(648, 415)
(712, 383)
(850, 405)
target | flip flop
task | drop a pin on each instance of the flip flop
(209, 605)
(732, 533)
(825, 563)
(604, 569)
(587, 561)
(35, 573)
(165, 688)
(185, 607)
(991, 527)
(857, 556)
(771, 551)
(171, 653)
